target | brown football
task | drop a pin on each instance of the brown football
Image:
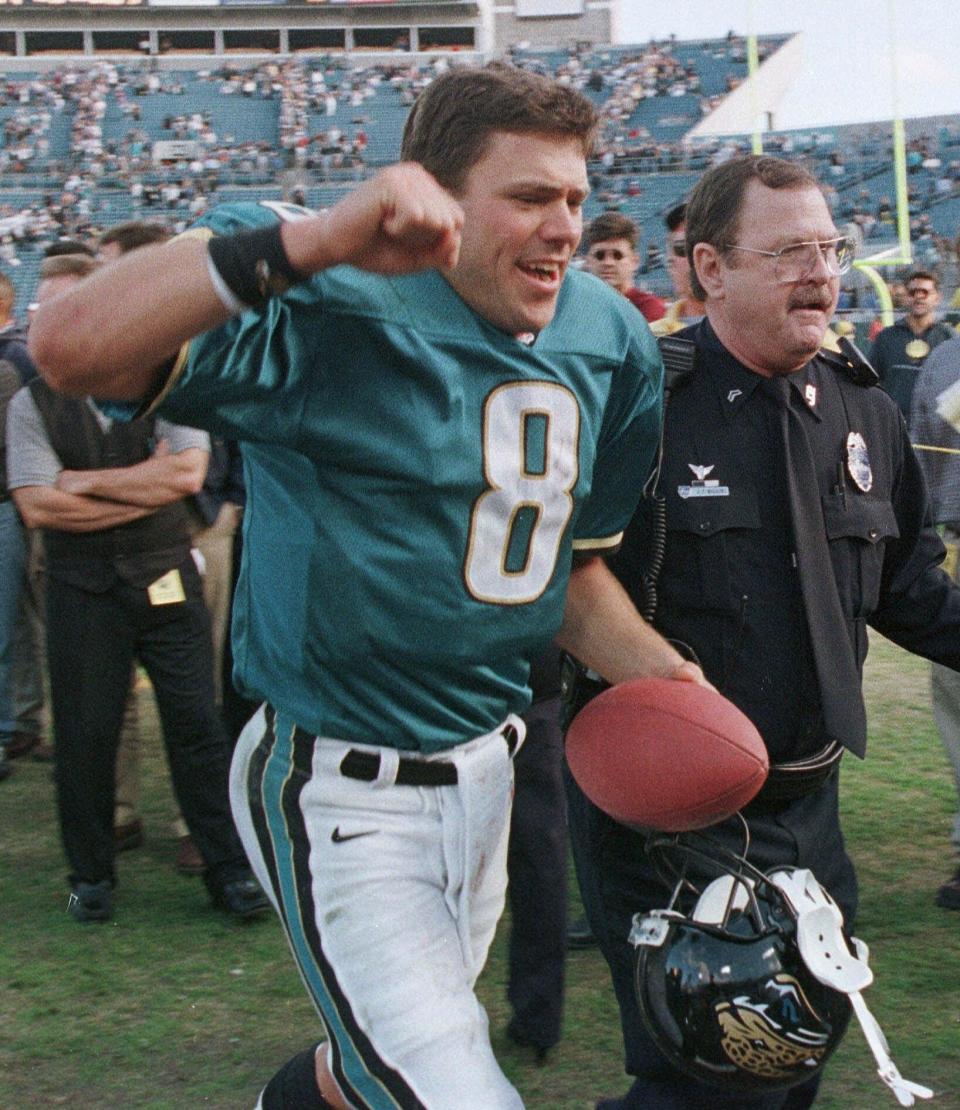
(666, 755)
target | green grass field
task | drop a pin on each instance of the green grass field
(172, 1005)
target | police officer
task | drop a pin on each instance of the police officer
(795, 515)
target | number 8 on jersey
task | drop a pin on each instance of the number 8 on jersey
(530, 441)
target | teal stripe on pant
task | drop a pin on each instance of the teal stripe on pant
(277, 773)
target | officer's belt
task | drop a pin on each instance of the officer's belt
(786, 782)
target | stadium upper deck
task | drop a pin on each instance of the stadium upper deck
(91, 142)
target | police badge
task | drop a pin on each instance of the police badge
(858, 462)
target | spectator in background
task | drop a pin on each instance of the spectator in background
(901, 302)
(686, 309)
(121, 584)
(898, 352)
(21, 621)
(68, 246)
(13, 569)
(13, 334)
(611, 246)
(127, 822)
(929, 431)
(120, 238)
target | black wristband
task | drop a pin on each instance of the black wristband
(253, 264)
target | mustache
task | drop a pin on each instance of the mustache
(821, 298)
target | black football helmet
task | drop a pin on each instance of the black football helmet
(753, 988)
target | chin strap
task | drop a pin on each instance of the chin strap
(824, 949)
(904, 1090)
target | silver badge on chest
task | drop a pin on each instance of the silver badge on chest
(858, 462)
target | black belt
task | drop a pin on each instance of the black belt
(365, 766)
(786, 782)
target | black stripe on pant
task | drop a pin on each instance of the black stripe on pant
(399, 1092)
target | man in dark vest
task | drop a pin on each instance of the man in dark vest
(898, 352)
(122, 585)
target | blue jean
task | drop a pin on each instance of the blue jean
(13, 568)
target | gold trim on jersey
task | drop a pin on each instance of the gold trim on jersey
(598, 545)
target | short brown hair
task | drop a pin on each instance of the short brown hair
(134, 233)
(59, 265)
(68, 246)
(714, 207)
(450, 125)
(923, 275)
(610, 225)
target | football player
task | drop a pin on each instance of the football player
(439, 421)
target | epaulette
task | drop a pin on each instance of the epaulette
(850, 361)
(679, 361)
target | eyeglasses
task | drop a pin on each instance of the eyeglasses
(612, 252)
(920, 291)
(795, 262)
(678, 247)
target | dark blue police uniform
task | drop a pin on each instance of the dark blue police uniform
(730, 590)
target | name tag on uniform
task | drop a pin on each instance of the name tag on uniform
(167, 590)
(698, 490)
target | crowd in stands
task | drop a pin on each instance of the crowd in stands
(321, 118)
(326, 115)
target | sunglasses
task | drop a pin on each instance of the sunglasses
(679, 248)
(608, 252)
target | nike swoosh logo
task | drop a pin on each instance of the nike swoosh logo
(339, 838)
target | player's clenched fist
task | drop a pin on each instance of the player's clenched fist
(398, 222)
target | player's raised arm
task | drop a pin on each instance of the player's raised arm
(110, 334)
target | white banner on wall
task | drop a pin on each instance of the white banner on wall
(538, 8)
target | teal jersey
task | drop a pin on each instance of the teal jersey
(417, 484)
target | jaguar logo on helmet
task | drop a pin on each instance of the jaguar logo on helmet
(755, 1041)
(752, 987)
